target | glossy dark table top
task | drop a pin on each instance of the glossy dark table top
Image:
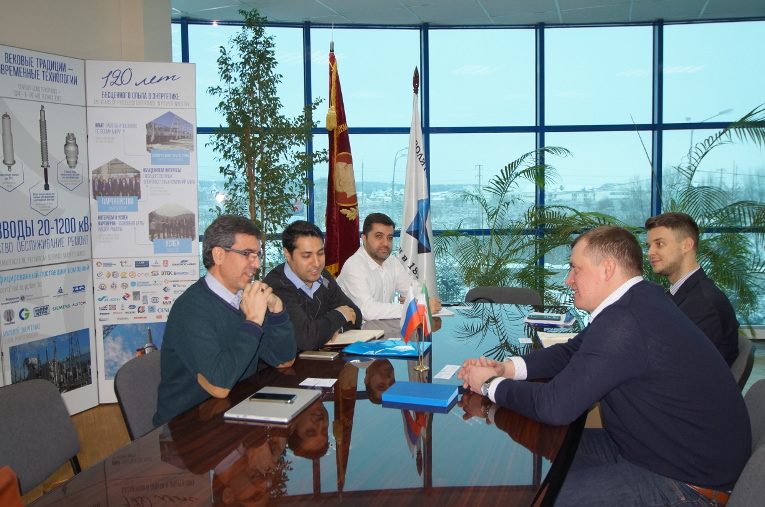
(344, 448)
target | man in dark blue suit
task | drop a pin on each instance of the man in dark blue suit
(675, 426)
(673, 239)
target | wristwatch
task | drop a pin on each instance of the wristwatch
(485, 385)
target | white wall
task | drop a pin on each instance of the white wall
(131, 30)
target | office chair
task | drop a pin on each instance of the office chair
(37, 435)
(748, 488)
(742, 366)
(135, 385)
(505, 295)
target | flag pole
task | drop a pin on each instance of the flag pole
(420, 353)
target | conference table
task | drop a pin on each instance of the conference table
(347, 448)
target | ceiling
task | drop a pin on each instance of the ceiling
(470, 12)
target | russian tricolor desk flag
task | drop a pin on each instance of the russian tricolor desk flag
(416, 312)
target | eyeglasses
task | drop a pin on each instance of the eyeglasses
(251, 256)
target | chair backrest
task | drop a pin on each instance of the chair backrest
(37, 435)
(742, 366)
(755, 405)
(135, 385)
(748, 489)
(504, 295)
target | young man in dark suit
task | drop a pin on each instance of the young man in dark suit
(673, 239)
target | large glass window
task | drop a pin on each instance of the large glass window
(608, 172)
(375, 67)
(711, 71)
(481, 77)
(479, 113)
(204, 49)
(598, 75)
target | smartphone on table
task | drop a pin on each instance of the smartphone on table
(274, 397)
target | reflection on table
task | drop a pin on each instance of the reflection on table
(346, 446)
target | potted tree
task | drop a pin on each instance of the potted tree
(264, 156)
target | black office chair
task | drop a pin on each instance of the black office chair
(37, 435)
(748, 488)
(504, 295)
(135, 385)
(742, 366)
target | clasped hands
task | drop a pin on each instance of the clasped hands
(257, 297)
(475, 372)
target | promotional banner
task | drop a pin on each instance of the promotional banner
(142, 147)
(43, 177)
(47, 329)
(415, 250)
(132, 300)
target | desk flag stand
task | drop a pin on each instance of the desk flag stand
(420, 352)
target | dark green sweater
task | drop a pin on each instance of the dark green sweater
(206, 335)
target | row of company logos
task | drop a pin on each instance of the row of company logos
(139, 274)
(26, 313)
(156, 263)
(60, 292)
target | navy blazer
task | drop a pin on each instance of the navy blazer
(708, 307)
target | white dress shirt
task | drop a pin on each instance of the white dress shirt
(372, 286)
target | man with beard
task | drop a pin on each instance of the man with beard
(371, 277)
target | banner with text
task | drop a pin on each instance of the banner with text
(47, 329)
(43, 178)
(142, 148)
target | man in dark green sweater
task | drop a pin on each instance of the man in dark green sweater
(317, 305)
(219, 328)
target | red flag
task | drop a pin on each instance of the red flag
(342, 216)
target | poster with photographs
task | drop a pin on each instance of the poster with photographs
(43, 177)
(133, 297)
(142, 148)
(47, 329)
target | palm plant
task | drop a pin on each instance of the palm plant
(518, 234)
(731, 227)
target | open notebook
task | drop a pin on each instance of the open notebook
(356, 335)
(273, 411)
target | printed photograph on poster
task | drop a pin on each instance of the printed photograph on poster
(47, 329)
(44, 174)
(123, 342)
(64, 360)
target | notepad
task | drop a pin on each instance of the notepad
(273, 412)
(550, 339)
(420, 396)
(356, 335)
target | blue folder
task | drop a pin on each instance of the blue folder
(385, 348)
(420, 396)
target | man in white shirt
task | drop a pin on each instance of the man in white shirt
(371, 277)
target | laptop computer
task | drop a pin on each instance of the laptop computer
(275, 405)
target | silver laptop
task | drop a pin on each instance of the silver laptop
(273, 405)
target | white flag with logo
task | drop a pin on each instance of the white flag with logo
(416, 245)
